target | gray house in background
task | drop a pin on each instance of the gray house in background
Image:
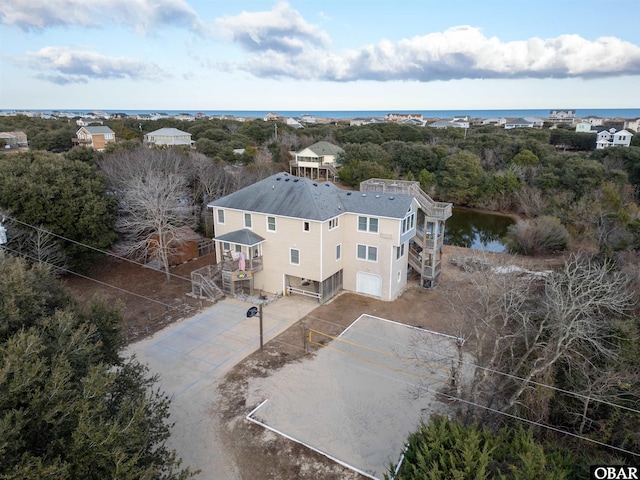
(169, 137)
(15, 139)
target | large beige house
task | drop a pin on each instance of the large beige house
(293, 235)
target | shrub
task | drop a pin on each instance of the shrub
(541, 235)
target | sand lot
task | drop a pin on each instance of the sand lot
(354, 401)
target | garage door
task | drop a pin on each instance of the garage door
(369, 284)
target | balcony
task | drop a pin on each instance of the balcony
(251, 265)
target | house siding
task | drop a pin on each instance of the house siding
(384, 240)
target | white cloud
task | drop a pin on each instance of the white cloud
(62, 65)
(140, 15)
(281, 44)
(281, 29)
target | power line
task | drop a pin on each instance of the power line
(111, 254)
(484, 407)
(169, 307)
(498, 372)
(490, 370)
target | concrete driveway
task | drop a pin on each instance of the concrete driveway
(191, 355)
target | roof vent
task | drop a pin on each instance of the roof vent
(315, 184)
(348, 193)
(326, 184)
(364, 194)
(287, 179)
(391, 198)
(296, 179)
(377, 196)
(278, 178)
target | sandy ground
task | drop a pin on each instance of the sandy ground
(355, 401)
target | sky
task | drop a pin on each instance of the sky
(319, 55)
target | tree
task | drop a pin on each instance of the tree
(38, 245)
(449, 449)
(526, 158)
(462, 178)
(530, 330)
(62, 196)
(70, 406)
(154, 201)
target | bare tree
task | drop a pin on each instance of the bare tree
(523, 326)
(36, 245)
(154, 201)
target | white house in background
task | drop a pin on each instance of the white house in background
(294, 123)
(317, 160)
(271, 117)
(613, 138)
(307, 118)
(170, 137)
(86, 121)
(585, 127)
(356, 122)
(537, 122)
(595, 121)
(492, 121)
(413, 121)
(187, 117)
(448, 124)
(632, 125)
(518, 123)
(400, 117)
(563, 116)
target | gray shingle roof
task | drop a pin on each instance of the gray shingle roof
(97, 129)
(242, 237)
(325, 148)
(286, 195)
(169, 132)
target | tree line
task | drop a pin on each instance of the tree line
(576, 329)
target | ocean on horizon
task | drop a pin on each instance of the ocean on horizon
(623, 113)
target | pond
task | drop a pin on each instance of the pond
(476, 230)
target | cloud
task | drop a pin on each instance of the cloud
(280, 30)
(280, 44)
(62, 65)
(140, 15)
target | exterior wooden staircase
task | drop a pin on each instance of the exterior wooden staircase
(425, 249)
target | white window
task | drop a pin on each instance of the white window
(408, 222)
(226, 246)
(220, 216)
(367, 252)
(400, 252)
(247, 220)
(333, 223)
(368, 224)
(271, 224)
(294, 256)
(338, 251)
(306, 226)
(238, 248)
